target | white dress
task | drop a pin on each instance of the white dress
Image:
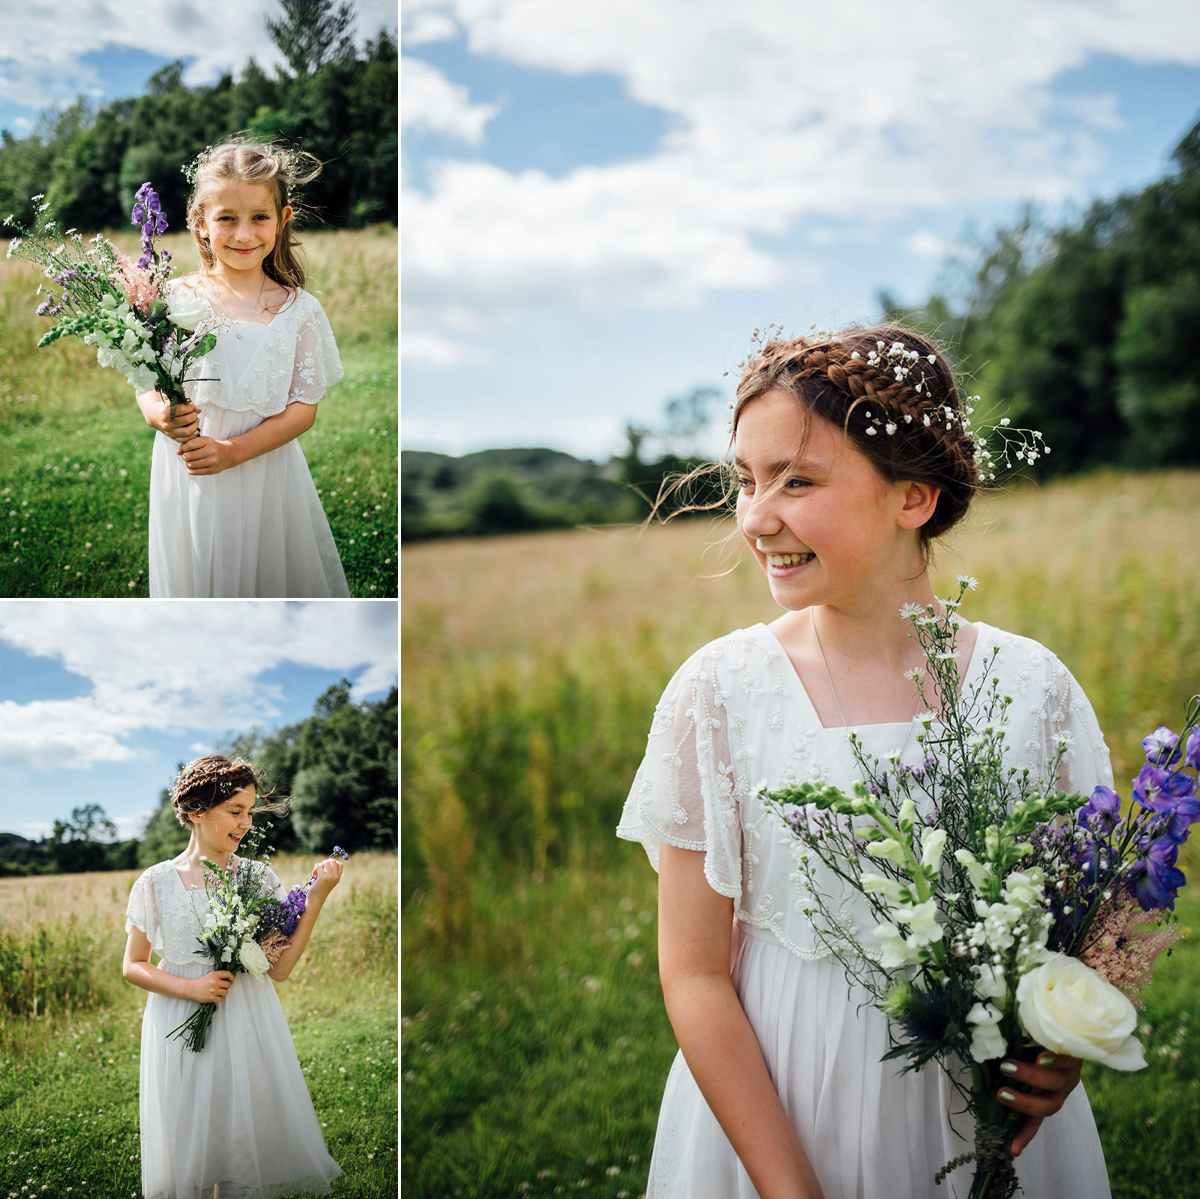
(735, 715)
(238, 1112)
(257, 529)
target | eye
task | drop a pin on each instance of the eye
(794, 483)
(743, 483)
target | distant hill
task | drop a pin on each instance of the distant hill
(508, 490)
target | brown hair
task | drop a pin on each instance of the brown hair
(206, 782)
(893, 394)
(281, 169)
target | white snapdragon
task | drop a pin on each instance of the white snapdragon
(922, 922)
(978, 872)
(877, 884)
(986, 1041)
(933, 844)
(991, 983)
(895, 950)
(888, 848)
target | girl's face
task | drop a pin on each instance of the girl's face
(825, 527)
(241, 223)
(220, 829)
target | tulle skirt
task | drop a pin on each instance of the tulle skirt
(257, 529)
(238, 1112)
(869, 1131)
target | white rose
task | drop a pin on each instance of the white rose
(183, 309)
(253, 960)
(1067, 1007)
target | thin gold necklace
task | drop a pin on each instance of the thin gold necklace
(812, 615)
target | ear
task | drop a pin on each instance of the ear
(285, 216)
(917, 504)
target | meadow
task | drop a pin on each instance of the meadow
(534, 1043)
(70, 1028)
(75, 450)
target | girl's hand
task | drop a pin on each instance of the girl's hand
(329, 874)
(1048, 1081)
(207, 455)
(157, 411)
(211, 988)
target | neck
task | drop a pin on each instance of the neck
(868, 629)
(240, 283)
(196, 850)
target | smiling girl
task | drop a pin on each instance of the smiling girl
(846, 471)
(235, 1119)
(233, 508)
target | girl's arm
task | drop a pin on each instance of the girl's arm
(156, 410)
(328, 875)
(211, 455)
(136, 969)
(719, 1046)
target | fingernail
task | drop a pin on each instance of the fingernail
(1007, 1096)
(1047, 1059)
(1008, 1067)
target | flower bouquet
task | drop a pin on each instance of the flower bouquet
(119, 306)
(1011, 917)
(246, 929)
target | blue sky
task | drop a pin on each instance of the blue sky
(100, 701)
(600, 202)
(57, 50)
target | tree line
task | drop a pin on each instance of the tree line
(332, 99)
(338, 768)
(1089, 330)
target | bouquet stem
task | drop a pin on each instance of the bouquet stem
(195, 1028)
(995, 1126)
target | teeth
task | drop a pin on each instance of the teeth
(786, 559)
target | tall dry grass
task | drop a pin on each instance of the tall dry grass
(532, 663)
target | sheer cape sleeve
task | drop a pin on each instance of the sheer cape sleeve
(683, 792)
(318, 366)
(142, 911)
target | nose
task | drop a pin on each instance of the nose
(757, 513)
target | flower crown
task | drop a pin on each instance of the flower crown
(291, 161)
(893, 364)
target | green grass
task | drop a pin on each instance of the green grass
(69, 1078)
(75, 450)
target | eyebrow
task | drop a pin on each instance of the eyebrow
(787, 466)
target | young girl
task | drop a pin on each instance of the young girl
(233, 509)
(846, 475)
(234, 1120)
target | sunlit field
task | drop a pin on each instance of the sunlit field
(70, 1028)
(534, 1040)
(75, 450)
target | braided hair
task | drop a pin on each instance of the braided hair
(206, 782)
(894, 396)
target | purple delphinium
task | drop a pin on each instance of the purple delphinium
(148, 213)
(1155, 880)
(1101, 812)
(1162, 747)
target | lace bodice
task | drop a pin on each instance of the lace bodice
(171, 915)
(736, 715)
(295, 357)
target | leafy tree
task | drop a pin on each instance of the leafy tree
(76, 845)
(310, 32)
(163, 838)
(339, 766)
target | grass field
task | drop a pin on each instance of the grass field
(75, 450)
(69, 1077)
(534, 1042)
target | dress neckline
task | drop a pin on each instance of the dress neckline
(235, 320)
(983, 631)
(188, 890)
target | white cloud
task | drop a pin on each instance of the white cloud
(39, 61)
(780, 110)
(428, 100)
(190, 665)
(927, 245)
